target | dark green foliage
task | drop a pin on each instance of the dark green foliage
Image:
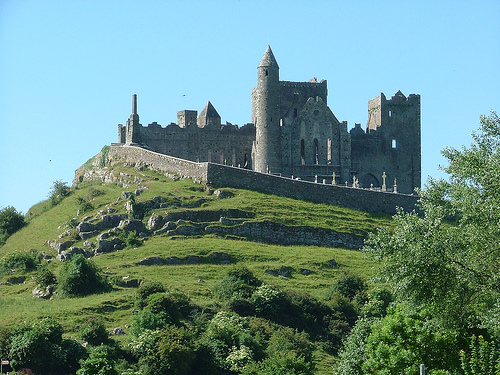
(40, 347)
(94, 333)
(145, 290)
(23, 261)
(483, 358)
(145, 320)
(80, 277)
(101, 361)
(104, 156)
(287, 363)
(58, 192)
(349, 285)
(84, 205)
(239, 283)
(378, 302)
(45, 277)
(10, 222)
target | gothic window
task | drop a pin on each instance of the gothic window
(302, 152)
(316, 151)
(329, 150)
(245, 161)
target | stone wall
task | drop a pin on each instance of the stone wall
(219, 175)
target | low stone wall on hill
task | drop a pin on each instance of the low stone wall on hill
(219, 175)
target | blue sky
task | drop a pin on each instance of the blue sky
(69, 69)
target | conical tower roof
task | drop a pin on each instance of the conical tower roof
(268, 59)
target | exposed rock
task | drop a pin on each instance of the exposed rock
(333, 263)
(169, 225)
(223, 194)
(106, 246)
(16, 279)
(151, 261)
(85, 226)
(305, 271)
(65, 234)
(132, 226)
(45, 294)
(86, 235)
(61, 246)
(127, 282)
(88, 244)
(112, 221)
(104, 235)
(118, 331)
(155, 222)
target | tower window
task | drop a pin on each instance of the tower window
(295, 112)
(316, 151)
(390, 113)
(267, 73)
(302, 152)
(329, 150)
(393, 144)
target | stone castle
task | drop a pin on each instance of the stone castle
(294, 133)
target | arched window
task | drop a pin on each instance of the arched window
(302, 152)
(316, 151)
(329, 150)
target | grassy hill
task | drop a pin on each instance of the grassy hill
(299, 268)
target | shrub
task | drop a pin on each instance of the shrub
(81, 277)
(101, 361)
(23, 261)
(145, 290)
(239, 283)
(45, 277)
(94, 333)
(348, 285)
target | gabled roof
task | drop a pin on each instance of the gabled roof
(268, 59)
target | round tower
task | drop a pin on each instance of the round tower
(266, 117)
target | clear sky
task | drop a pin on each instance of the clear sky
(68, 70)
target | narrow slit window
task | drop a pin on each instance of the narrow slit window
(390, 113)
(316, 151)
(394, 143)
(302, 152)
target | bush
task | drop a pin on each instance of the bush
(81, 277)
(10, 222)
(348, 285)
(24, 261)
(145, 290)
(239, 283)
(45, 277)
(101, 361)
(94, 333)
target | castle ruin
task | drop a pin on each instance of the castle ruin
(294, 133)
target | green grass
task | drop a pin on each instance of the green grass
(115, 308)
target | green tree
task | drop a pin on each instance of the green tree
(446, 260)
(58, 192)
(81, 277)
(101, 361)
(10, 222)
(40, 347)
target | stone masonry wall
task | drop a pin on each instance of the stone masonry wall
(219, 175)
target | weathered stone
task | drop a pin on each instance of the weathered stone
(45, 294)
(118, 331)
(132, 226)
(106, 246)
(88, 244)
(151, 261)
(305, 271)
(86, 235)
(223, 194)
(111, 221)
(85, 226)
(104, 235)
(155, 222)
(61, 246)
(333, 263)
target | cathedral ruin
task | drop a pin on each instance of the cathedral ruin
(294, 133)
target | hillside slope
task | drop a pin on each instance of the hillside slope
(147, 227)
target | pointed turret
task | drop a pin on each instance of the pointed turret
(266, 116)
(268, 59)
(209, 116)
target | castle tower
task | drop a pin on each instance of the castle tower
(266, 116)
(132, 128)
(209, 117)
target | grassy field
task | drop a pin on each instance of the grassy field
(115, 308)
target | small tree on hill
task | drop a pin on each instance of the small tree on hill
(81, 277)
(10, 222)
